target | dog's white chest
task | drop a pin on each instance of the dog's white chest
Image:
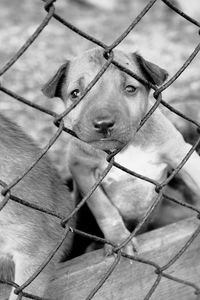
(131, 195)
(146, 163)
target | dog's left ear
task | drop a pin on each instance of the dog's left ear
(153, 73)
(53, 88)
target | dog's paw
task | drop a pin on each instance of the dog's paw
(131, 248)
(117, 234)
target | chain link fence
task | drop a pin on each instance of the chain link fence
(161, 271)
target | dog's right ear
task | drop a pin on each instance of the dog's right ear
(54, 86)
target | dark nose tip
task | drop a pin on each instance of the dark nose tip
(104, 125)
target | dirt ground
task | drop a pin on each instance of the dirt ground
(162, 37)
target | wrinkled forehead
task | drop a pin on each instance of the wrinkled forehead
(91, 62)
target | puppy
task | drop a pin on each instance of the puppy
(107, 119)
(27, 236)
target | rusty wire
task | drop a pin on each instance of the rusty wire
(58, 121)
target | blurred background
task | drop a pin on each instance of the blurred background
(162, 37)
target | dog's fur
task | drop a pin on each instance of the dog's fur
(107, 119)
(27, 236)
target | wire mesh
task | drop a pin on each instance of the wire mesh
(58, 121)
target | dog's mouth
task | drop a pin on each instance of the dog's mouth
(103, 141)
(106, 144)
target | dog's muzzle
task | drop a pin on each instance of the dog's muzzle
(106, 128)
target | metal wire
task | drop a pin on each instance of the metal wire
(160, 271)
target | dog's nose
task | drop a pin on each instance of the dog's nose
(104, 125)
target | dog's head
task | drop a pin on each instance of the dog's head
(109, 115)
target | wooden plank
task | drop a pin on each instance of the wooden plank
(75, 279)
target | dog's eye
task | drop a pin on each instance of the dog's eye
(130, 89)
(75, 94)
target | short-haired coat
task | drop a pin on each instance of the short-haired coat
(107, 118)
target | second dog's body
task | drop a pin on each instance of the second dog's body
(27, 236)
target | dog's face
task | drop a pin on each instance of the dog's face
(109, 115)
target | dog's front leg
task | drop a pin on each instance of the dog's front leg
(175, 151)
(106, 214)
